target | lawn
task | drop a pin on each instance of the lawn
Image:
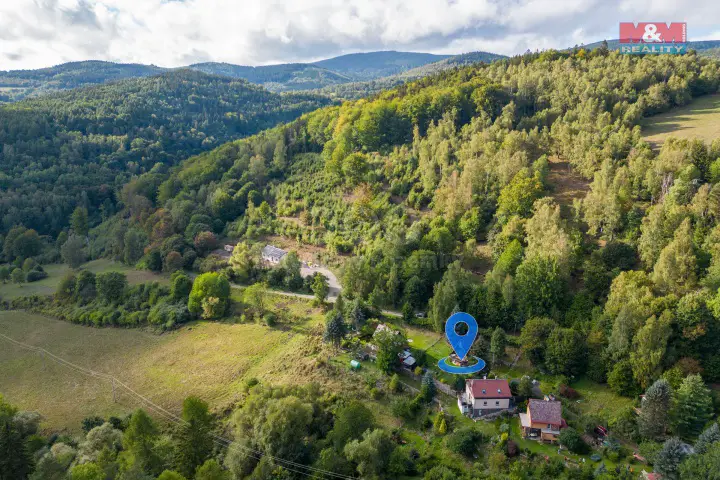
(47, 286)
(699, 119)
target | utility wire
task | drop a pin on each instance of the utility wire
(286, 464)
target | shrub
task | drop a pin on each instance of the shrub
(568, 392)
(35, 275)
(570, 438)
(465, 441)
(270, 319)
(209, 286)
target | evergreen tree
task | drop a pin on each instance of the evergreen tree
(497, 345)
(335, 328)
(15, 460)
(427, 387)
(668, 460)
(655, 410)
(694, 407)
(707, 438)
(357, 314)
(390, 344)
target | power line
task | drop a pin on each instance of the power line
(286, 464)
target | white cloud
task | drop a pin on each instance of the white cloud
(37, 33)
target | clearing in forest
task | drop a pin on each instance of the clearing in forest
(48, 286)
(565, 183)
(699, 119)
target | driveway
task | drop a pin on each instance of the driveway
(335, 288)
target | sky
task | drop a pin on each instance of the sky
(171, 33)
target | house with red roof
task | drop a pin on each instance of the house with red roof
(482, 397)
(542, 420)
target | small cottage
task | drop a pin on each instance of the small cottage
(542, 420)
(272, 254)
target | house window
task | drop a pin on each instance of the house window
(484, 403)
(497, 403)
(549, 426)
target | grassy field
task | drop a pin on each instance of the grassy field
(700, 119)
(47, 286)
(208, 359)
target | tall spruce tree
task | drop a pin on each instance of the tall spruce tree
(656, 404)
(669, 458)
(693, 407)
(335, 328)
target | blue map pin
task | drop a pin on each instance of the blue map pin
(461, 343)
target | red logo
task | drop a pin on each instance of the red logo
(646, 32)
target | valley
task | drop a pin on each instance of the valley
(154, 230)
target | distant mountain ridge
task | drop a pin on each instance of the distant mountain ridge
(371, 65)
(18, 84)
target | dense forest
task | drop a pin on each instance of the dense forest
(18, 84)
(407, 187)
(366, 88)
(278, 78)
(436, 196)
(78, 148)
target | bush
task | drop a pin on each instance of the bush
(465, 441)
(270, 319)
(568, 392)
(35, 275)
(572, 440)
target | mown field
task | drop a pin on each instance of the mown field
(208, 359)
(699, 119)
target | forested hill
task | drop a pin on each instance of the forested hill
(371, 65)
(416, 183)
(79, 147)
(18, 84)
(283, 77)
(355, 90)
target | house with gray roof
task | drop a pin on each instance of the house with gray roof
(273, 254)
(542, 420)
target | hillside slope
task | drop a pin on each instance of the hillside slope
(18, 84)
(81, 146)
(277, 78)
(355, 90)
